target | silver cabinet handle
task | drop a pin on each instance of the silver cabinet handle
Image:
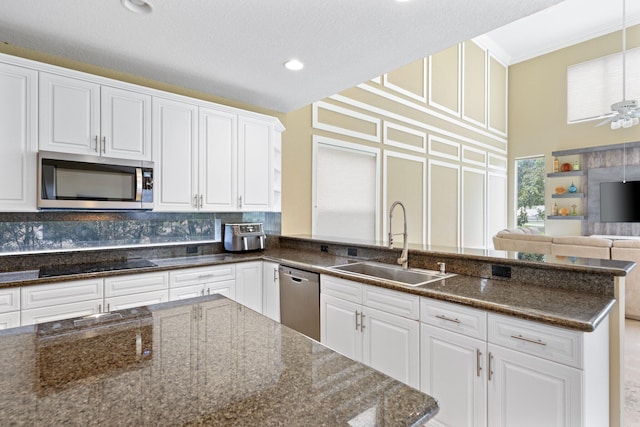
(478, 356)
(296, 279)
(490, 366)
(95, 138)
(240, 202)
(531, 340)
(195, 200)
(99, 308)
(104, 144)
(361, 321)
(357, 324)
(202, 292)
(108, 307)
(201, 200)
(208, 291)
(275, 274)
(448, 319)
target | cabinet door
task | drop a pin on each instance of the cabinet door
(136, 300)
(9, 320)
(185, 292)
(18, 133)
(249, 285)
(61, 293)
(339, 326)
(226, 288)
(452, 367)
(125, 124)
(218, 160)
(254, 165)
(69, 115)
(60, 312)
(271, 290)
(391, 344)
(175, 140)
(529, 391)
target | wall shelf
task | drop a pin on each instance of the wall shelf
(580, 217)
(568, 196)
(568, 173)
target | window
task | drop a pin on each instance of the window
(592, 86)
(530, 174)
(345, 184)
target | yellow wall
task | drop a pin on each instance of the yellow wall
(438, 108)
(538, 111)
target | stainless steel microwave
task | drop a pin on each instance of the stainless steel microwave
(70, 181)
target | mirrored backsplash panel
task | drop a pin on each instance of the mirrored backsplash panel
(62, 230)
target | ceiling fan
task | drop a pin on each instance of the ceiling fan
(626, 113)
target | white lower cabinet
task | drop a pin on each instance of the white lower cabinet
(122, 292)
(9, 308)
(200, 281)
(249, 285)
(489, 369)
(63, 300)
(271, 290)
(384, 340)
(78, 298)
(525, 390)
(452, 370)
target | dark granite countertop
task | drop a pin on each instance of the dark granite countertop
(203, 361)
(569, 308)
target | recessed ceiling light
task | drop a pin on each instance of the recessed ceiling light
(137, 6)
(293, 65)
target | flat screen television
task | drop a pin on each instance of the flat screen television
(620, 201)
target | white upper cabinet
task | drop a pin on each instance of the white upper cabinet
(213, 160)
(217, 160)
(18, 133)
(82, 117)
(175, 139)
(254, 166)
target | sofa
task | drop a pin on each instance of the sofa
(530, 240)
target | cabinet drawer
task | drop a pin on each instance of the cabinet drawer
(548, 342)
(9, 299)
(61, 293)
(137, 300)
(135, 283)
(390, 301)
(200, 275)
(10, 320)
(59, 312)
(341, 288)
(454, 317)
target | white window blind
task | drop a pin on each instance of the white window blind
(345, 192)
(592, 86)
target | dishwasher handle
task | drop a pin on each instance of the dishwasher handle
(296, 278)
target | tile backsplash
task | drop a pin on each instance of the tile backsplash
(62, 230)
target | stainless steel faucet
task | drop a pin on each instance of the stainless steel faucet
(404, 257)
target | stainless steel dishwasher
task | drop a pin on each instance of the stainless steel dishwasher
(300, 301)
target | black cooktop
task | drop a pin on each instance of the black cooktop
(94, 267)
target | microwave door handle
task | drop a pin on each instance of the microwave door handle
(138, 184)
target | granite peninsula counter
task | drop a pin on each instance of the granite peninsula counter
(202, 361)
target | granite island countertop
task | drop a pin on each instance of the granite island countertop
(203, 361)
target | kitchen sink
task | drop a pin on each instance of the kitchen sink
(411, 277)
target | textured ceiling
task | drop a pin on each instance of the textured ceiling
(235, 48)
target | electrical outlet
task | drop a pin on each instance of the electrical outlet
(352, 252)
(501, 271)
(324, 248)
(192, 249)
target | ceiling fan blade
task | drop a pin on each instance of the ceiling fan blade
(605, 121)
